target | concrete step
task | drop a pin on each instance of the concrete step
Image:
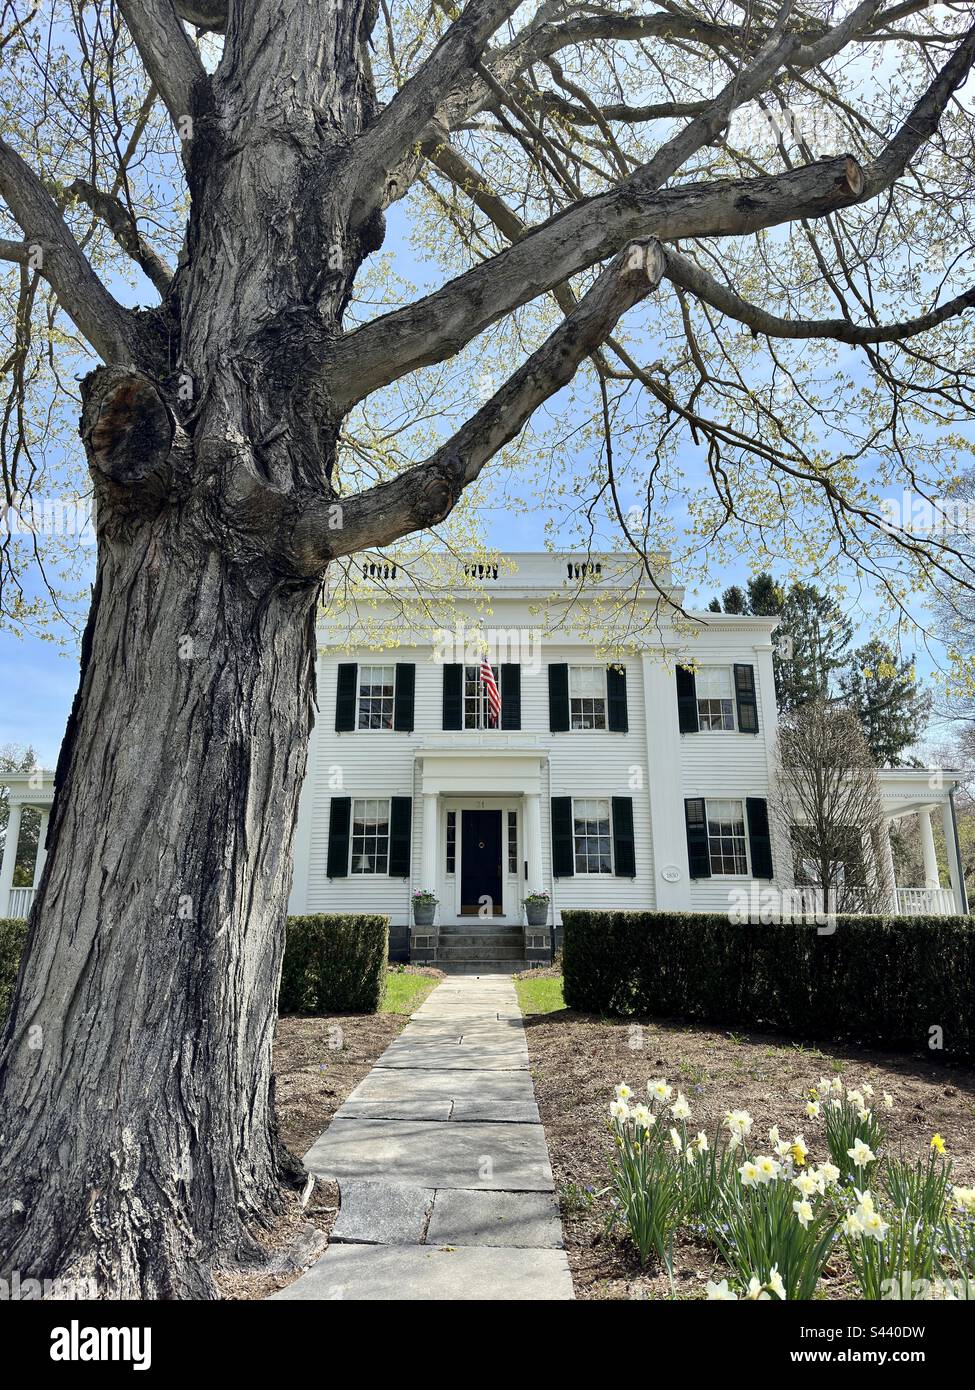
(492, 952)
(515, 938)
(482, 967)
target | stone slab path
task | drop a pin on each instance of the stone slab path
(445, 1181)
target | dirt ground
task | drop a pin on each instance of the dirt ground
(317, 1063)
(576, 1060)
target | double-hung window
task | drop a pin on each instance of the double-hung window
(476, 708)
(727, 840)
(370, 836)
(587, 697)
(715, 698)
(377, 686)
(592, 836)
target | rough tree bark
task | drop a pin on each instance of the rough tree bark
(137, 1135)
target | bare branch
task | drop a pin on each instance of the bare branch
(124, 229)
(381, 147)
(424, 495)
(727, 301)
(97, 314)
(170, 57)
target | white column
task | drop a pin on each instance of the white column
(41, 846)
(887, 864)
(533, 841)
(429, 883)
(954, 868)
(931, 879)
(9, 857)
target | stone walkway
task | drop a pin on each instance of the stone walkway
(446, 1186)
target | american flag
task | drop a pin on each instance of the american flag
(492, 692)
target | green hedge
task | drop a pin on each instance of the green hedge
(882, 981)
(13, 934)
(332, 963)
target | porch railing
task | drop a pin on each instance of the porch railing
(925, 902)
(19, 902)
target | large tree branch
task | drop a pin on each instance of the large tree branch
(680, 271)
(168, 52)
(594, 228)
(424, 495)
(396, 130)
(58, 257)
(441, 324)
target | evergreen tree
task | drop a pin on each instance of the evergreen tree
(883, 691)
(734, 600)
(766, 597)
(820, 635)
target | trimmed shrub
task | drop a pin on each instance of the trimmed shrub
(13, 934)
(334, 963)
(882, 981)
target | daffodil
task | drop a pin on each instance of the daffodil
(806, 1184)
(798, 1151)
(719, 1293)
(750, 1176)
(775, 1282)
(675, 1140)
(888, 1101)
(768, 1168)
(812, 1109)
(867, 1090)
(873, 1224)
(680, 1108)
(701, 1142)
(659, 1090)
(623, 1091)
(642, 1116)
(831, 1173)
(738, 1122)
(756, 1291)
(865, 1199)
(861, 1153)
(852, 1225)
(937, 1144)
(773, 1135)
(619, 1110)
(803, 1211)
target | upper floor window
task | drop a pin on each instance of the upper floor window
(727, 841)
(715, 698)
(587, 697)
(592, 836)
(370, 836)
(478, 713)
(377, 688)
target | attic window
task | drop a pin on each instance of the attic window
(481, 571)
(376, 570)
(584, 569)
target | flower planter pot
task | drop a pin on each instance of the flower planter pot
(424, 914)
(537, 914)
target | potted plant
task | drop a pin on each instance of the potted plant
(536, 906)
(424, 907)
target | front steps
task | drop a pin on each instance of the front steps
(480, 948)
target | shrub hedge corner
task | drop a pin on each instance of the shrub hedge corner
(13, 934)
(881, 981)
(334, 963)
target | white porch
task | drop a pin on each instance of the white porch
(924, 793)
(25, 789)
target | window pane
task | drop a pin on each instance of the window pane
(370, 836)
(476, 707)
(451, 841)
(376, 688)
(726, 837)
(512, 842)
(592, 838)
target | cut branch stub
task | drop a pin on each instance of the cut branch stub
(126, 425)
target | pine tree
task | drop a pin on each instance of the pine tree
(883, 691)
(820, 634)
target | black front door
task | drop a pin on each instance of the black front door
(480, 861)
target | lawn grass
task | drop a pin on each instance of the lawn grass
(541, 995)
(405, 991)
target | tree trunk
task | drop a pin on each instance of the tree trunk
(138, 1133)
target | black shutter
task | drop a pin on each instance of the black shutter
(345, 696)
(624, 852)
(617, 718)
(563, 845)
(510, 696)
(400, 825)
(759, 838)
(745, 696)
(558, 699)
(696, 820)
(686, 701)
(339, 814)
(453, 697)
(403, 694)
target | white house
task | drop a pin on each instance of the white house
(620, 781)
